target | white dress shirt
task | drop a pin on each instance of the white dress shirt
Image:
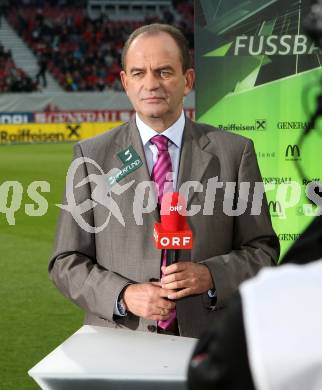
(174, 133)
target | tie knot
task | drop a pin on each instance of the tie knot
(161, 142)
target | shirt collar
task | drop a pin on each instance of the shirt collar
(174, 132)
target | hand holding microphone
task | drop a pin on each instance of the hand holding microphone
(150, 300)
(180, 279)
(186, 277)
(174, 234)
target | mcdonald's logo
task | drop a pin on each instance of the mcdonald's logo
(275, 207)
(294, 150)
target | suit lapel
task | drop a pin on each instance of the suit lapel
(129, 136)
(194, 158)
(142, 173)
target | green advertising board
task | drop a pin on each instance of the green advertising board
(258, 76)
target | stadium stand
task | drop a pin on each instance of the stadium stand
(80, 42)
(12, 78)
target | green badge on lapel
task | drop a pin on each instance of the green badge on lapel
(131, 162)
(128, 155)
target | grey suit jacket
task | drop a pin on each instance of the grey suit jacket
(92, 269)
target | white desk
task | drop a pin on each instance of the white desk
(96, 358)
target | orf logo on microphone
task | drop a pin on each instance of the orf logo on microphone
(173, 232)
(176, 208)
(172, 240)
(179, 242)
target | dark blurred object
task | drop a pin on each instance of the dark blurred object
(313, 23)
(308, 247)
(220, 360)
(3, 9)
(311, 125)
(313, 28)
(42, 69)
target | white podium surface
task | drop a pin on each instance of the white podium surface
(96, 358)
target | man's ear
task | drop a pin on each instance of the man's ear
(124, 80)
(190, 78)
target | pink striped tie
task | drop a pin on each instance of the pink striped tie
(159, 175)
(163, 164)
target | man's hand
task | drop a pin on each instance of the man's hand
(148, 300)
(189, 278)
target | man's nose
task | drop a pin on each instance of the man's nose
(151, 81)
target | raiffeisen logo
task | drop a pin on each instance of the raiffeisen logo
(272, 45)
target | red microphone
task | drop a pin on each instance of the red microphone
(173, 232)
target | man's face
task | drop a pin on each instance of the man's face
(153, 78)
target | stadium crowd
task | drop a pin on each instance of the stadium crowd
(83, 53)
(12, 78)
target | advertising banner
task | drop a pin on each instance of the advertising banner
(258, 76)
(73, 116)
(53, 132)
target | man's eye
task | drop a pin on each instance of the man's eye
(137, 74)
(165, 73)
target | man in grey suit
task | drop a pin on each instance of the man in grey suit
(114, 273)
